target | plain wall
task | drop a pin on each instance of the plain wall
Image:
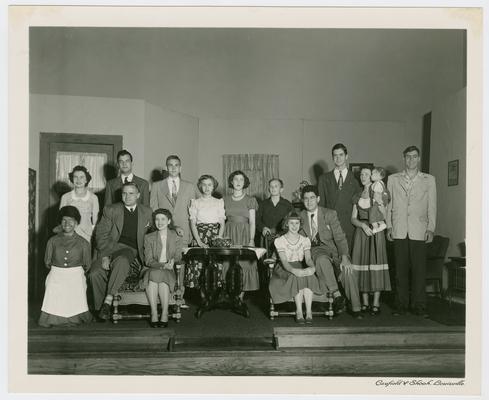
(448, 143)
(377, 142)
(304, 147)
(86, 115)
(169, 132)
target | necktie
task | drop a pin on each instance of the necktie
(340, 181)
(174, 191)
(314, 228)
(126, 180)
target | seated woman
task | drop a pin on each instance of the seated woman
(291, 278)
(240, 226)
(369, 254)
(84, 200)
(67, 257)
(206, 222)
(162, 249)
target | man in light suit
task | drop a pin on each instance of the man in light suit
(336, 189)
(119, 238)
(113, 189)
(328, 246)
(411, 220)
(175, 194)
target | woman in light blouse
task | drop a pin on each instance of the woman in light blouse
(162, 249)
(207, 218)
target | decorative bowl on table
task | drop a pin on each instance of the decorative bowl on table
(222, 242)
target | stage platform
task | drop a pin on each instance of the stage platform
(222, 343)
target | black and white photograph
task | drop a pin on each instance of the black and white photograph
(224, 200)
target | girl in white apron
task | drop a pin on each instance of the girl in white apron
(67, 257)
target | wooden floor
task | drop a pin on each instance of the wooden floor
(222, 343)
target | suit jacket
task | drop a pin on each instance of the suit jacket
(340, 200)
(109, 229)
(161, 198)
(412, 209)
(331, 234)
(152, 248)
(113, 190)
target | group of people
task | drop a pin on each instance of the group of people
(335, 243)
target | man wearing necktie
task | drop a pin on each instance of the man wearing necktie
(329, 247)
(113, 188)
(175, 194)
(119, 239)
(336, 189)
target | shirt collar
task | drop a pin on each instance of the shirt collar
(315, 212)
(129, 177)
(131, 208)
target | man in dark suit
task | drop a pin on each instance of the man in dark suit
(328, 247)
(336, 189)
(119, 238)
(113, 189)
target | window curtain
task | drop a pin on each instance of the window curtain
(259, 168)
(93, 162)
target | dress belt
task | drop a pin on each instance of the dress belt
(238, 219)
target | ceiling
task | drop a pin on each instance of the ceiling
(334, 74)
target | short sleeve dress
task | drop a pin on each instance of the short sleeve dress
(285, 285)
(238, 229)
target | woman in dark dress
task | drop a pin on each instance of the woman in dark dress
(67, 257)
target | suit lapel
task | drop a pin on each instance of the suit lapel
(169, 245)
(166, 192)
(141, 225)
(334, 188)
(307, 225)
(119, 221)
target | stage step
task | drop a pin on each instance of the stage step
(100, 340)
(369, 337)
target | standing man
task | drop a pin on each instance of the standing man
(328, 246)
(113, 189)
(119, 240)
(336, 189)
(175, 194)
(411, 220)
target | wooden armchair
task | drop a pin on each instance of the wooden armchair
(325, 298)
(131, 293)
(435, 261)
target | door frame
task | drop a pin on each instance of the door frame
(46, 139)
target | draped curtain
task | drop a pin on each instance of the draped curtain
(93, 162)
(259, 168)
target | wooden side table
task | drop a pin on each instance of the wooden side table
(456, 276)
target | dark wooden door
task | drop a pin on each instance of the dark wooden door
(59, 153)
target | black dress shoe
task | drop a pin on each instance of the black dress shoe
(356, 314)
(399, 311)
(153, 324)
(338, 304)
(163, 324)
(104, 313)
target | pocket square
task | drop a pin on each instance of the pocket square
(327, 226)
